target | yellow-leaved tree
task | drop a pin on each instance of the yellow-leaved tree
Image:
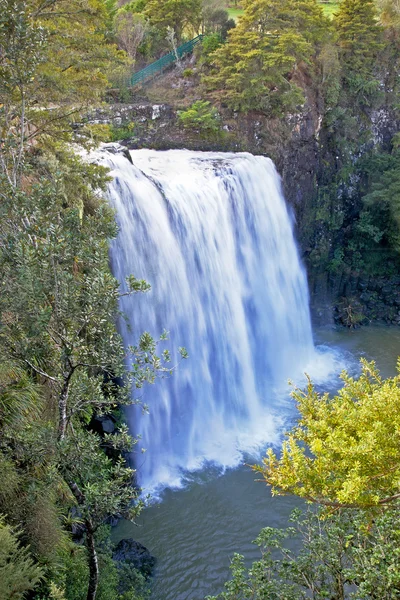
(345, 450)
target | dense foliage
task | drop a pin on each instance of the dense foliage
(148, 29)
(353, 228)
(201, 117)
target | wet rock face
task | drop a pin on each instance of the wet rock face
(380, 299)
(137, 555)
(356, 301)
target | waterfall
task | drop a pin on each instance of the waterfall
(212, 235)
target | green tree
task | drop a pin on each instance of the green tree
(215, 18)
(21, 52)
(131, 30)
(256, 68)
(201, 116)
(59, 307)
(101, 488)
(58, 304)
(182, 16)
(116, 582)
(360, 40)
(389, 12)
(61, 355)
(379, 222)
(343, 454)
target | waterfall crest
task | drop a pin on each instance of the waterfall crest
(212, 235)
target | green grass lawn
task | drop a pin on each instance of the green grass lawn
(329, 8)
(234, 13)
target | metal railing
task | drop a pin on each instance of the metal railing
(158, 66)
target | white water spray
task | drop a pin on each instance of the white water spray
(211, 233)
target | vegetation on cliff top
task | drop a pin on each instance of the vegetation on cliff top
(255, 69)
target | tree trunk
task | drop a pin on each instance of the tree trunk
(339, 587)
(62, 406)
(93, 561)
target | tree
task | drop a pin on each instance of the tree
(345, 450)
(389, 60)
(131, 30)
(344, 455)
(101, 488)
(56, 313)
(183, 16)
(389, 12)
(360, 39)
(215, 18)
(256, 67)
(21, 52)
(201, 116)
(379, 221)
(30, 486)
(62, 360)
(59, 307)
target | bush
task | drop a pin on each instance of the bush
(209, 44)
(202, 117)
(350, 312)
(121, 133)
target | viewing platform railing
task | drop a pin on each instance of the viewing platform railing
(157, 67)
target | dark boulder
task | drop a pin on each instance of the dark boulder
(137, 555)
(103, 424)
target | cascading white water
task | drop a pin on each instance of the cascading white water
(212, 235)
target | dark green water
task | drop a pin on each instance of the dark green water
(193, 532)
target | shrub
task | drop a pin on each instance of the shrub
(121, 133)
(209, 44)
(202, 117)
